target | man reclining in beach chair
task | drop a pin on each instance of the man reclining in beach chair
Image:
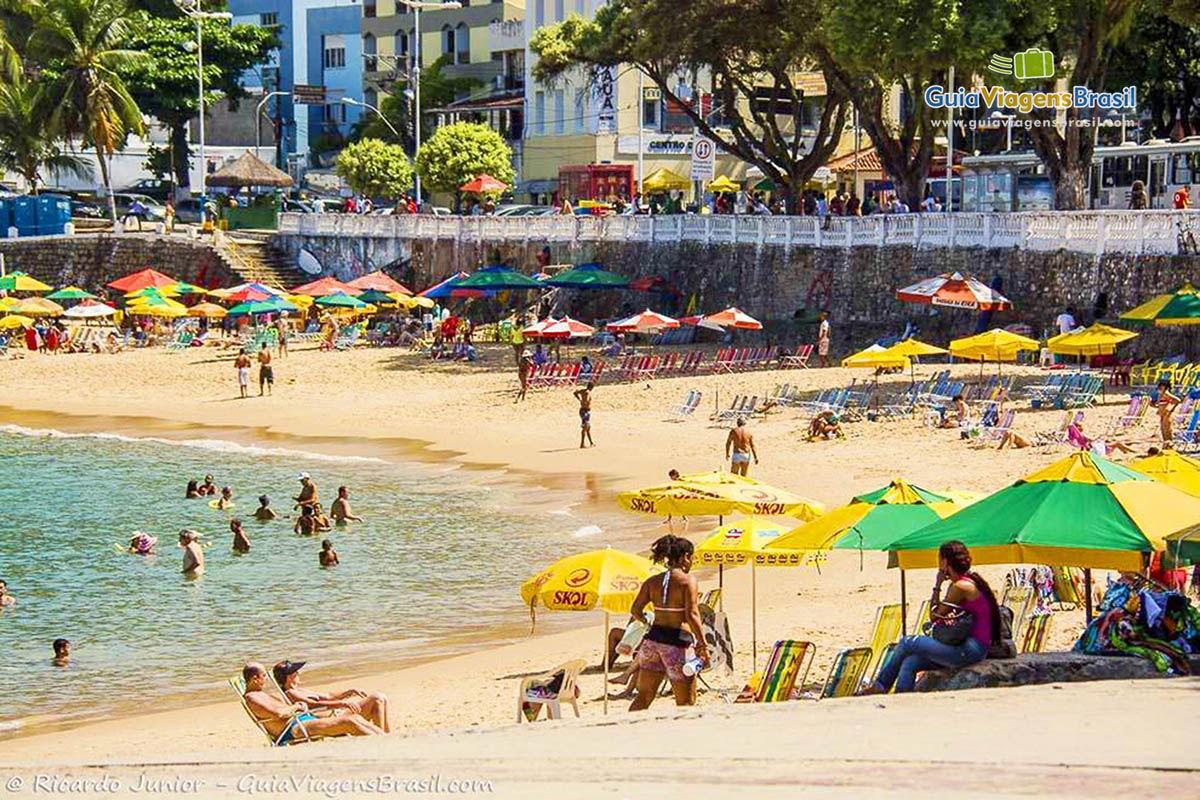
(286, 723)
(372, 707)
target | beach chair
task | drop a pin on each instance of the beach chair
(1083, 393)
(994, 433)
(798, 359)
(922, 618)
(788, 665)
(1059, 436)
(1034, 640)
(730, 415)
(847, 672)
(687, 408)
(1186, 438)
(536, 692)
(648, 369)
(299, 734)
(1068, 591)
(1132, 417)
(181, 342)
(886, 630)
(1184, 411)
(1019, 599)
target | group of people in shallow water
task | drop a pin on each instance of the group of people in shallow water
(311, 521)
(674, 647)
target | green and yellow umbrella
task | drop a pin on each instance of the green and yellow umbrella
(183, 287)
(1081, 511)
(71, 293)
(1180, 307)
(745, 541)
(1095, 340)
(874, 520)
(1184, 546)
(1172, 468)
(607, 579)
(718, 494)
(152, 292)
(20, 282)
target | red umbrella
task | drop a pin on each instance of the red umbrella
(325, 286)
(537, 329)
(140, 280)
(567, 328)
(483, 183)
(646, 322)
(955, 291)
(380, 282)
(246, 295)
(733, 317)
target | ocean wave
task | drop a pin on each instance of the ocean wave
(215, 445)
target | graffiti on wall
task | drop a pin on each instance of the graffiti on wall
(346, 257)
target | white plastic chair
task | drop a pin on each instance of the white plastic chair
(553, 704)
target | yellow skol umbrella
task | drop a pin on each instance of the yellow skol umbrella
(721, 183)
(1096, 340)
(1170, 467)
(994, 345)
(607, 579)
(170, 312)
(913, 347)
(744, 541)
(38, 307)
(876, 357)
(663, 180)
(13, 321)
(718, 493)
(299, 300)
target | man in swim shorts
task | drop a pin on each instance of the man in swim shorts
(242, 364)
(287, 721)
(266, 373)
(308, 491)
(739, 447)
(584, 396)
(340, 510)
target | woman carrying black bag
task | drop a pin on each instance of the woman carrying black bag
(963, 625)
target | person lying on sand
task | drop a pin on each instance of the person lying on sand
(264, 512)
(825, 425)
(371, 707)
(281, 718)
(340, 510)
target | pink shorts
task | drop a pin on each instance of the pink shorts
(659, 657)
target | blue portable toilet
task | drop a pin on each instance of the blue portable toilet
(24, 214)
(5, 216)
(53, 213)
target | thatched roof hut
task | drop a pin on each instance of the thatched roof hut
(249, 170)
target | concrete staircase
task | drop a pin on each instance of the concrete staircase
(255, 259)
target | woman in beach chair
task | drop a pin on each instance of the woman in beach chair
(289, 722)
(371, 707)
(666, 649)
(824, 425)
(964, 626)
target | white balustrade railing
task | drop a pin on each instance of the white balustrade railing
(1092, 232)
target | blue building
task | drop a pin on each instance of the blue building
(320, 45)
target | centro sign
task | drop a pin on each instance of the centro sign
(657, 145)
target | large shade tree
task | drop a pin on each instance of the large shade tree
(375, 168)
(457, 153)
(28, 146)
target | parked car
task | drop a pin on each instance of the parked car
(296, 206)
(92, 209)
(150, 187)
(512, 210)
(124, 200)
(187, 211)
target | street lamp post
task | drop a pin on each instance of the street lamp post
(416, 6)
(191, 8)
(350, 101)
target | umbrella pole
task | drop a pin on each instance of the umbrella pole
(754, 614)
(605, 652)
(721, 586)
(1087, 590)
(903, 604)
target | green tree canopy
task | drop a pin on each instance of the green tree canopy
(28, 146)
(375, 168)
(457, 153)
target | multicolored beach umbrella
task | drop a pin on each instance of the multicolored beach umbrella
(1172, 468)
(185, 288)
(442, 289)
(1180, 307)
(150, 291)
(20, 282)
(261, 288)
(378, 297)
(498, 278)
(71, 293)
(246, 295)
(271, 305)
(588, 276)
(874, 520)
(954, 290)
(718, 493)
(1095, 340)
(1081, 511)
(567, 328)
(207, 310)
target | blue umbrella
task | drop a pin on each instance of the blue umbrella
(440, 291)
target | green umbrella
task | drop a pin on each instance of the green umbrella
(588, 276)
(183, 287)
(71, 293)
(340, 300)
(1081, 511)
(498, 278)
(765, 185)
(1181, 307)
(377, 297)
(269, 306)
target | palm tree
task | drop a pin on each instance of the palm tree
(81, 40)
(27, 145)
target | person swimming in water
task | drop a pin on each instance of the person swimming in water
(340, 510)
(322, 521)
(241, 542)
(62, 653)
(264, 512)
(328, 557)
(193, 489)
(208, 487)
(226, 498)
(193, 555)
(306, 523)
(142, 544)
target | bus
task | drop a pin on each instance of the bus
(1019, 181)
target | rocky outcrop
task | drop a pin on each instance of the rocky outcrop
(1042, 668)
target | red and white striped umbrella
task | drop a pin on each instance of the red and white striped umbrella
(955, 291)
(538, 329)
(567, 328)
(732, 317)
(646, 322)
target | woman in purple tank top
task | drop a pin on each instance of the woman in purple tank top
(967, 590)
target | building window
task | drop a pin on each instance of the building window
(448, 42)
(269, 19)
(539, 113)
(539, 13)
(580, 110)
(335, 113)
(335, 52)
(650, 114)
(558, 10)
(370, 63)
(371, 97)
(401, 43)
(462, 37)
(560, 112)
(368, 8)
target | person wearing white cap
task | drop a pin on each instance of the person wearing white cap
(308, 491)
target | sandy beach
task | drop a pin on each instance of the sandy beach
(374, 400)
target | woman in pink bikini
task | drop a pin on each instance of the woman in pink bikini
(664, 650)
(918, 653)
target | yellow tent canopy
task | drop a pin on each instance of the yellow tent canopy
(663, 180)
(1095, 340)
(723, 183)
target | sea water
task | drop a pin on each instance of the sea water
(439, 557)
